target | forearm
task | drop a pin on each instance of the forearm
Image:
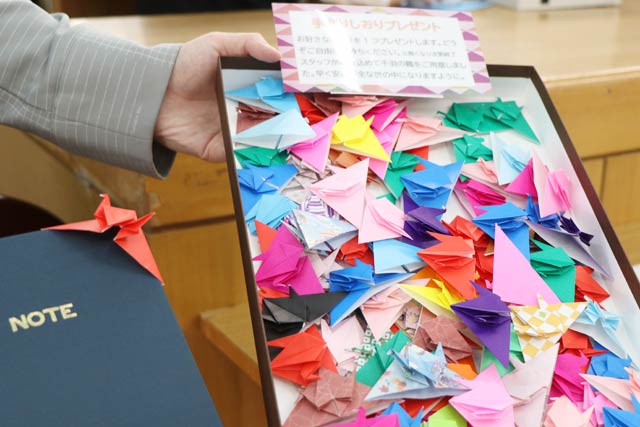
(90, 93)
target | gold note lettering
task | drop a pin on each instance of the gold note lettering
(38, 318)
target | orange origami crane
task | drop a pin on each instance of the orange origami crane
(302, 357)
(130, 237)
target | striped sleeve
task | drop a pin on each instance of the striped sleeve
(93, 94)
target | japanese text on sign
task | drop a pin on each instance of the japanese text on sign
(358, 49)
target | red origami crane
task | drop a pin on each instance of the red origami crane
(302, 357)
(130, 237)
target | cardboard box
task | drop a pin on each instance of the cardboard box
(519, 83)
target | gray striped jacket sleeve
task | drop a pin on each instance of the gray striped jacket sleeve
(92, 94)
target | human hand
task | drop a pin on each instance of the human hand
(189, 120)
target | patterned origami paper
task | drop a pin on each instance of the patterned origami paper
(320, 232)
(557, 269)
(342, 338)
(540, 326)
(394, 256)
(420, 222)
(478, 194)
(381, 220)
(355, 135)
(489, 319)
(279, 132)
(424, 131)
(270, 209)
(417, 374)
(510, 219)
(257, 181)
(601, 326)
(383, 309)
(469, 149)
(453, 259)
(284, 264)
(529, 384)
(487, 403)
(563, 413)
(401, 164)
(314, 151)
(267, 93)
(259, 156)
(435, 297)
(330, 399)
(130, 237)
(390, 420)
(381, 359)
(295, 311)
(302, 356)
(514, 280)
(445, 331)
(509, 159)
(432, 186)
(345, 191)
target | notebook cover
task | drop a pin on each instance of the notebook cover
(120, 361)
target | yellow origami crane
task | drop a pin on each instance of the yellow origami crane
(437, 299)
(355, 136)
(540, 327)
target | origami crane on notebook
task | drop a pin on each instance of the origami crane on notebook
(296, 311)
(529, 384)
(445, 331)
(284, 265)
(280, 132)
(514, 280)
(423, 131)
(266, 93)
(259, 156)
(420, 223)
(601, 325)
(540, 326)
(270, 209)
(345, 191)
(355, 135)
(417, 374)
(432, 186)
(130, 237)
(487, 403)
(489, 319)
(330, 399)
(319, 232)
(314, 151)
(383, 309)
(510, 219)
(302, 356)
(453, 259)
(257, 181)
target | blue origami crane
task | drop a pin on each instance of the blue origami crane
(269, 210)
(256, 181)
(270, 91)
(394, 256)
(510, 219)
(432, 186)
(619, 418)
(533, 215)
(403, 417)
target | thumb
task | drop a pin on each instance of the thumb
(245, 44)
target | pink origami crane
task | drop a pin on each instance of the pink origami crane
(381, 220)
(390, 420)
(315, 151)
(563, 413)
(424, 131)
(130, 237)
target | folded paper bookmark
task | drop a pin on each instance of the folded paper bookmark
(130, 237)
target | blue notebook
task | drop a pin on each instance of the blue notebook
(87, 338)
